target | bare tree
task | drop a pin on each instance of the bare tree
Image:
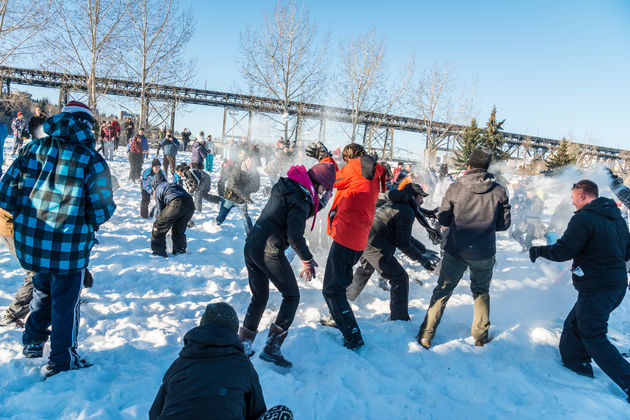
(156, 38)
(442, 103)
(20, 23)
(84, 39)
(284, 60)
(362, 85)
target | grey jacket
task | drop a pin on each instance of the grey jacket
(474, 208)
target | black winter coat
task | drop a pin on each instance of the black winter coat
(283, 220)
(241, 184)
(392, 225)
(211, 379)
(598, 241)
(474, 208)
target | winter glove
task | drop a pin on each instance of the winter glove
(308, 270)
(434, 236)
(614, 179)
(534, 253)
(429, 260)
(88, 280)
(317, 150)
(431, 214)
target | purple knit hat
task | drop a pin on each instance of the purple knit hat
(324, 174)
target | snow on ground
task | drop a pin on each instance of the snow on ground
(141, 306)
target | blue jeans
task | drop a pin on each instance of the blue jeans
(55, 304)
(224, 210)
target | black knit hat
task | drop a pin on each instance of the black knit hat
(220, 314)
(480, 158)
(414, 190)
(156, 162)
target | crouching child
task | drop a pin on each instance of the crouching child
(196, 385)
(175, 209)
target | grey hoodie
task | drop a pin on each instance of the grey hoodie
(474, 208)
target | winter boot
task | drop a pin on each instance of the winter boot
(247, 339)
(33, 349)
(272, 352)
(51, 371)
(354, 341)
(583, 369)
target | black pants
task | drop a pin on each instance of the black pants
(337, 277)
(175, 217)
(144, 204)
(388, 267)
(262, 268)
(135, 166)
(195, 165)
(584, 335)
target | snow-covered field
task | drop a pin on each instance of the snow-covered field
(141, 306)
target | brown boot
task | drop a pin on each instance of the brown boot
(247, 339)
(272, 352)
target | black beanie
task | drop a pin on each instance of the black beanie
(156, 162)
(480, 158)
(220, 314)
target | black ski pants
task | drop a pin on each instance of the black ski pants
(391, 270)
(584, 335)
(144, 204)
(337, 278)
(135, 166)
(175, 217)
(262, 268)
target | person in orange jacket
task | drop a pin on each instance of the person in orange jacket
(349, 222)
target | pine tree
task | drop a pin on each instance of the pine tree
(492, 137)
(561, 156)
(470, 139)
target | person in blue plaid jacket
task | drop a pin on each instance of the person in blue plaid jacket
(59, 192)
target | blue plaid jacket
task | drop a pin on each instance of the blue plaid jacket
(59, 191)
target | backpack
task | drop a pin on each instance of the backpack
(136, 146)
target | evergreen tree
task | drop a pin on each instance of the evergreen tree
(470, 139)
(561, 156)
(492, 137)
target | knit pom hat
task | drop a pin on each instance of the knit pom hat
(220, 314)
(79, 110)
(324, 174)
(480, 158)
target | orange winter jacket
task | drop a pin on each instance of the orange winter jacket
(358, 185)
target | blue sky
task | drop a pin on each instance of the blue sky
(553, 68)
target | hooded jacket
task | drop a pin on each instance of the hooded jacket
(474, 208)
(199, 152)
(393, 222)
(352, 212)
(167, 192)
(282, 222)
(59, 191)
(211, 379)
(598, 241)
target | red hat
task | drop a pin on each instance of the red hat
(19, 114)
(79, 110)
(324, 174)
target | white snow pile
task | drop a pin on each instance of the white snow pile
(140, 307)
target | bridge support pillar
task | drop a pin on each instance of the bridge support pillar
(5, 88)
(63, 97)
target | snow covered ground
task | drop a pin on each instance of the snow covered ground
(141, 306)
